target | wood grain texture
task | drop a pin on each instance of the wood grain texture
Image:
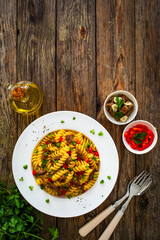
(76, 79)
(36, 60)
(147, 32)
(7, 75)
(78, 52)
(116, 71)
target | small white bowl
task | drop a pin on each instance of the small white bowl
(132, 115)
(150, 126)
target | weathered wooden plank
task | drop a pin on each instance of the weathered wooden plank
(116, 71)
(76, 80)
(36, 59)
(147, 31)
(7, 75)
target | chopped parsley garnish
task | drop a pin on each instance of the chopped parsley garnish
(50, 135)
(92, 131)
(84, 146)
(62, 121)
(31, 188)
(70, 169)
(71, 148)
(61, 168)
(74, 143)
(73, 118)
(44, 162)
(74, 179)
(83, 177)
(66, 173)
(64, 186)
(80, 191)
(109, 177)
(44, 146)
(21, 179)
(36, 151)
(102, 181)
(87, 167)
(118, 115)
(47, 200)
(25, 166)
(138, 137)
(55, 161)
(58, 144)
(46, 154)
(42, 186)
(74, 159)
(88, 144)
(95, 176)
(94, 158)
(100, 133)
(69, 196)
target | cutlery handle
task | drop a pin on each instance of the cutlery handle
(83, 231)
(109, 230)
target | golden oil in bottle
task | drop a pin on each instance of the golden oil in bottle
(25, 97)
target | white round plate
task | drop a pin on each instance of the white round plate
(58, 206)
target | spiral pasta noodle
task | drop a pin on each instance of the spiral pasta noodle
(65, 162)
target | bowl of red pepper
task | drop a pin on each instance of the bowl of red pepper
(139, 137)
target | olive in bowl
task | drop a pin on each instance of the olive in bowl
(120, 107)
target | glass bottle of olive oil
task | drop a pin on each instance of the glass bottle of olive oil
(25, 97)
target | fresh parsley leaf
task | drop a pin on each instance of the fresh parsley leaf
(88, 144)
(119, 101)
(95, 176)
(137, 141)
(74, 159)
(109, 177)
(83, 177)
(44, 162)
(54, 233)
(80, 191)
(74, 143)
(74, 179)
(62, 121)
(118, 115)
(94, 158)
(21, 179)
(55, 161)
(42, 186)
(141, 136)
(50, 135)
(25, 166)
(87, 167)
(92, 131)
(73, 118)
(46, 154)
(36, 151)
(47, 200)
(100, 133)
(102, 181)
(69, 196)
(31, 188)
(70, 169)
(44, 146)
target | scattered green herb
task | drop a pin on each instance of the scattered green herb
(62, 121)
(71, 148)
(70, 169)
(47, 200)
(44, 146)
(73, 118)
(31, 188)
(80, 191)
(61, 168)
(95, 176)
(84, 146)
(74, 143)
(88, 144)
(42, 186)
(55, 161)
(21, 179)
(74, 179)
(50, 135)
(138, 137)
(83, 177)
(66, 173)
(64, 186)
(118, 115)
(109, 177)
(92, 131)
(74, 159)
(58, 144)
(69, 196)
(46, 154)
(44, 162)
(94, 158)
(100, 133)
(102, 181)
(87, 167)
(25, 166)
(36, 151)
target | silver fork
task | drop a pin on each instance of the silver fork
(88, 227)
(139, 185)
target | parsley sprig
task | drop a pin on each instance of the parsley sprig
(119, 102)
(137, 138)
(18, 219)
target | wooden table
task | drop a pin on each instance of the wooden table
(78, 52)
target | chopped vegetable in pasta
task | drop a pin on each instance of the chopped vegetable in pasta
(65, 163)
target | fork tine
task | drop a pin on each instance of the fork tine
(148, 180)
(139, 176)
(145, 180)
(140, 180)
